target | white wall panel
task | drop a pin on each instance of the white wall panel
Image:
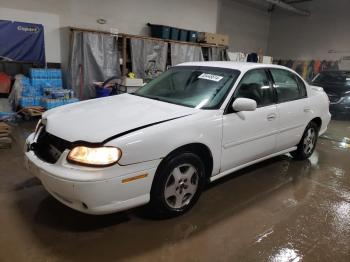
(129, 16)
(306, 38)
(247, 25)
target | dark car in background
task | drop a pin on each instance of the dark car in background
(337, 86)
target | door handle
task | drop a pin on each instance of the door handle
(307, 109)
(271, 117)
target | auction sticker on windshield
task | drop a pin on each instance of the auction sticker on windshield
(211, 77)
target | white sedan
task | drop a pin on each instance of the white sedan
(194, 124)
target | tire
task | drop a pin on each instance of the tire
(177, 185)
(307, 143)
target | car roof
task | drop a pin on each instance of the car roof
(241, 66)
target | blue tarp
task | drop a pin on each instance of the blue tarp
(23, 42)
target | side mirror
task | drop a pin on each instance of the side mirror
(244, 104)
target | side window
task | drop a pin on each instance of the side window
(255, 85)
(302, 87)
(286, 85)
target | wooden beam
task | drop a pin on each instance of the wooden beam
(130, 36)
(124, 56)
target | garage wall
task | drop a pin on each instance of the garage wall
(50, 22)
(128, 16)
(132, 15)
(246, 22)
(307, 38)
(250, 27)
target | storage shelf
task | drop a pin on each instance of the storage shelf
(124, 44)
(130, 36)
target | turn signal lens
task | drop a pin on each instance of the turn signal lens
(99, 156)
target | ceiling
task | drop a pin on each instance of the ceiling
(264, 5)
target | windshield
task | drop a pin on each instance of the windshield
(336, 77)
(196, 87)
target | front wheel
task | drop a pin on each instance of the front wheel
(178, 184)
(307, 143)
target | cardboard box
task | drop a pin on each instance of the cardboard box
(211, 38)
(267, 60)
(132, 84)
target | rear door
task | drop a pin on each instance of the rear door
(293, 107)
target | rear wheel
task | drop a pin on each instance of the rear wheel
(178, 184)
(307, 143)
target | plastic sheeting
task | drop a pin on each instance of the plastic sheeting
(309, 69)
(149, 58)
(16, 92)
(5, 105)
(185, 53)
(237, 57)
(217, 54)
(94, 58)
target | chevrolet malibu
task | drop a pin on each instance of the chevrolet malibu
(194, 124)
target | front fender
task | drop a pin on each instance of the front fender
(156, 142)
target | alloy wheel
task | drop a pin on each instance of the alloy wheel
(309, 141)
(181, 186)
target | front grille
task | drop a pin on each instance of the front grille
(49, 147)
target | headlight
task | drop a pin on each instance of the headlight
(98, 156)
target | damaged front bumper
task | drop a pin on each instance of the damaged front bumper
(93, 190)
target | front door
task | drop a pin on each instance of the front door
(248, 136)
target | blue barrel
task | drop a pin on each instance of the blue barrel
(192, 36)
(183, 35)
(160, 31)
(102, 91)
(174, 33)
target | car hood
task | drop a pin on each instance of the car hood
(99, 119)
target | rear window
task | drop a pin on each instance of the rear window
(332, 78)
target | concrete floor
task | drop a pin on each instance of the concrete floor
(279, 210)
